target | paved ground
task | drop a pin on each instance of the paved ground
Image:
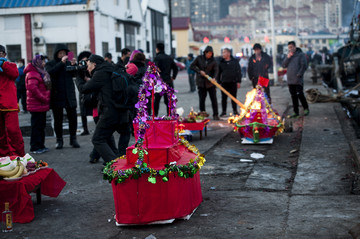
(300, 189)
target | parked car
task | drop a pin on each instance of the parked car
(181, 66)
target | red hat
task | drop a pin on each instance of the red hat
(131, 69)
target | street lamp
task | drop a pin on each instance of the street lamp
(273, 42)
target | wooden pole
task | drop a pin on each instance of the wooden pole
(226, 92)
(152, 102)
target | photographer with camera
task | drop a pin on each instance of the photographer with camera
(87, 101)
(111, 118)
(63, 94)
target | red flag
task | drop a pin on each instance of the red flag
(264, 82)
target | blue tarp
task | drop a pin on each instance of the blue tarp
(37, 3)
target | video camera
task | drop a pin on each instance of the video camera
(82, 66)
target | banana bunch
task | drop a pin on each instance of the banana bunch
(14, 173)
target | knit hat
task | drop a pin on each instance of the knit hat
(96, 59)
(131, 69)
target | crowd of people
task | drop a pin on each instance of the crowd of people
(42, 85)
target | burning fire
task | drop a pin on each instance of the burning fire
(253, 103)
(250, 100)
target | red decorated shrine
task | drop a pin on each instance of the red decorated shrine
(158, 180)
(258, 122)
(139, 202)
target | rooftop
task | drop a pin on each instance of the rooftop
(38, 3)
(180, 23)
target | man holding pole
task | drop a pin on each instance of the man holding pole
(230, 78)
(205, 65)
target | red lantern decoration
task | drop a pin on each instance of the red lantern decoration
(266, 39)
(206, 40)
(226, 39)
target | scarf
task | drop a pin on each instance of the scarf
(37, 63)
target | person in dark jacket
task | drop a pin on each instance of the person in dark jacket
(230, 78)
(166, 64)
(63, 94)
(87, 101)
(125, 56)
(38, 85)
(206, 65)
(111, 119)
(260, 64)
(296, 66)
(87, 104)
(138, 60)
(191, 73)
(108, 58)
(20, 85)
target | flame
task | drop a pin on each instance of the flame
(249, 97)
(250, 100)
(251, 103)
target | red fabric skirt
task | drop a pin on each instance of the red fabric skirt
(139, 202)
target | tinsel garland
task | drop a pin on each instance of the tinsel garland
(187, 171)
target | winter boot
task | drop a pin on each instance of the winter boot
(73, 142)
(59, 143)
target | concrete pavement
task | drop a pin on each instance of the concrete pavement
(305, 194)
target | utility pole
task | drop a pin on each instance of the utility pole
(170, 23)
(297, 19)
(273, 41)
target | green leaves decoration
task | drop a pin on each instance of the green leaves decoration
(152, 180)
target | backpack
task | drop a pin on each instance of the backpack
(125, 89)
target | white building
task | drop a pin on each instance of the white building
(31, 27)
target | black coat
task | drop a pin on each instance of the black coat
(166, 64)
(208, 65)
(87, 101)
(63, 88)
(296, 67)
(229, 71)
(101, 82)
(259, 68)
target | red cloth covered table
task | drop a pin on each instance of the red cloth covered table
(17, 192)
(139, 202)
(197, 126)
